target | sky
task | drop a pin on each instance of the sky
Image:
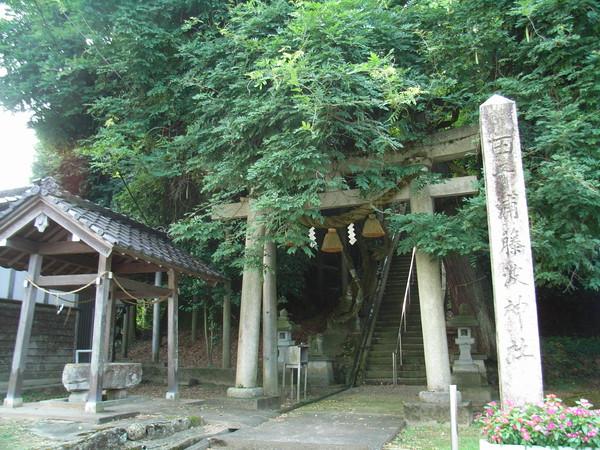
(17, 147)
(17, 144)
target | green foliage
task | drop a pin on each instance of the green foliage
(569, 359)
(198, 102)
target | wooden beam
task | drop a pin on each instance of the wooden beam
(65, 248)
(37, 206)
(47, 248)
(65, 280)
(143, 289)
(138, 267)
(353, 197)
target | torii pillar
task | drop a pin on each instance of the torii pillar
(433, 321)
(250, 312)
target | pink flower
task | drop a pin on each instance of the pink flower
(592, 433)
(551, 426)
(525, 434)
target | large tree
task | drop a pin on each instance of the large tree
(196, 102)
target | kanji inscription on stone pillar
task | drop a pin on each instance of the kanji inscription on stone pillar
(517, 337)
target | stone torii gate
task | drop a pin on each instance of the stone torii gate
(63, 242)
(440, 147)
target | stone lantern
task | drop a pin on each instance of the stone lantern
(284, 336)
(465, 370)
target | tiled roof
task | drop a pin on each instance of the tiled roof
(114, 228)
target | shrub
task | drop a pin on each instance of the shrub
(570, 358)
(549, 424)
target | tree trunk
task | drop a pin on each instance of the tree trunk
(470, 285)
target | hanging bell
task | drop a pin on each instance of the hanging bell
(331, 243)
(372, 228)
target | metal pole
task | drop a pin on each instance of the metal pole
(453, 422)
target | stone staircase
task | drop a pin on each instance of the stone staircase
(385, 335)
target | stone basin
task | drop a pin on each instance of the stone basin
(116, 379)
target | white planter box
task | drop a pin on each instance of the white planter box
(485, 445)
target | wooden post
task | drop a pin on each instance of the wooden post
(173, 338)
(131, 316)
(15, 383)
(125, 331)
(156, 321)
(110, 325)
(226, 362)
(270, 378)
(94, 400)
(194, 318)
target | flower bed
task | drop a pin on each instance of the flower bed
(550, 424)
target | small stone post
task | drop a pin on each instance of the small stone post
(156, 321)
(226, 362)
(173, 339)
(94, 400)
(517, 338)
(249, 331)
(435, 344)
(270, 377)
(15, 382)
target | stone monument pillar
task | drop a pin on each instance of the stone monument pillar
(519, 363)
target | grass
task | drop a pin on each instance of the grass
(434, 437)
(44, 394)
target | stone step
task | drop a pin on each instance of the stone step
(387, 372)
(404, 381)
(413, 364)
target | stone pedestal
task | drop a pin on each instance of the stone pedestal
(320, 371)
(242, 392)
(116, 379)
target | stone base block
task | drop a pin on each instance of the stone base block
(76, 377)
(417, 412)
(464, 379)
(116, 394)
(94, 407)
(320, 372)
(438, 397)
(254, 404)
(172, 396)
(236, 392)
(479, 395)
(78, 396)
(13, 402)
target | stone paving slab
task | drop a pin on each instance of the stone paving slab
(67, 412)
(325, 430)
